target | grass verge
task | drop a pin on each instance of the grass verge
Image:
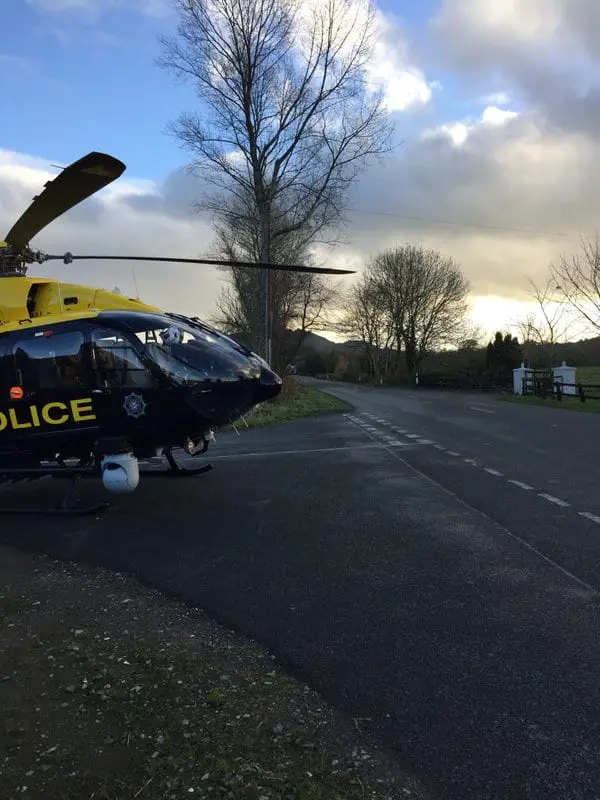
(109, 691)
(296, 401)
(568, 403)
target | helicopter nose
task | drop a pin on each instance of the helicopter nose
(269, 384)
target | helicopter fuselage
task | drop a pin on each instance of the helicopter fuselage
(75, 378)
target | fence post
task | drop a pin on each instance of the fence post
(581, 392)
(558, 391)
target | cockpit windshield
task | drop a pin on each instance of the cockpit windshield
(188, 354)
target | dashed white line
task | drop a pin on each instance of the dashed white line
(556, 500)
(520, 484)
(588, 515)
(389, 441)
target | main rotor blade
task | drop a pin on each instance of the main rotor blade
(67, 258)
(75, 183)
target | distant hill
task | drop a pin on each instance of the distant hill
(322, 355)
(312, 341)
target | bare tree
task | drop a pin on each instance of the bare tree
(289, 119)
(543, 332)
(472, 337)
(408, 302)
(577, 280)
(367, 320)
(425, 294)
(299, 301)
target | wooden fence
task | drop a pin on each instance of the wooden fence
(541, 383)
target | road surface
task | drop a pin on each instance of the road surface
(453, 614)
(534, 470)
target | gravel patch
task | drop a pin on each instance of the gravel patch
(110, 691)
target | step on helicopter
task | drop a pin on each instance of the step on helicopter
(93, 382)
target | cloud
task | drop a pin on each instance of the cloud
(505, 188)
(546, 52)
(496, 202)
(390, 70)
(404, 84)
(130, 217)
(509, 188)
(458, 132)
(504, 194)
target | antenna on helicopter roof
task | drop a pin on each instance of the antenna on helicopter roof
(137, 294)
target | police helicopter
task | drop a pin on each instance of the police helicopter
(93, 382)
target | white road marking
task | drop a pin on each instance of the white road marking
(556, 500)
(520, 484)
(482, 410)
(498, 525)
(588, 515)
(308, 451)
(388, 443)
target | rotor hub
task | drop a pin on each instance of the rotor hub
(11, 263)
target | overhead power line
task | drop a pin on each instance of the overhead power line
(459, 224)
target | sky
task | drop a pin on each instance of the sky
(496, 105)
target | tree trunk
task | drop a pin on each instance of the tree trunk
(265, 257)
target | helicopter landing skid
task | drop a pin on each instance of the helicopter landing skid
(69, 504)
(175, 471)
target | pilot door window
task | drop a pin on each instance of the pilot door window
(115, 363)
(51, 362)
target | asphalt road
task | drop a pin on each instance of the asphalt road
(451, 611)
(532, 469)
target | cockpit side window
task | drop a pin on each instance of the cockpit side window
(115, 362)
(51, 362)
